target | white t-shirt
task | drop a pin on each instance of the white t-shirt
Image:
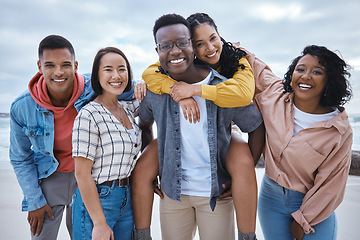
(195, 152)
(304, 120)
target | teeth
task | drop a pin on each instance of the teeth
(211, 55)
(177, 60)
(59, 80)
(116, 84)
(305, 86)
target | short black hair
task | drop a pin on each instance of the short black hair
(169, 19)
(55, 42)
(338, 89)
(95, 82)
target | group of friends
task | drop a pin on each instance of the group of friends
(84, 144)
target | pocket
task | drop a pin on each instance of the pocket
(309, 159)
(36, 137)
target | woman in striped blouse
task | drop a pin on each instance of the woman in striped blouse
(106, 142)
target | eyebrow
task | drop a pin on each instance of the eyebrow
(209, 37)
(301, 65)
(110, 66)
(47, 62)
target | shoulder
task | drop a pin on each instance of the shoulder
(216, 77)
(24, 96)
(24, 100)
(87, 82)
(89, 109)
(131, 105)
(341, 122)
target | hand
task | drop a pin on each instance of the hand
(140, 90)
(102, 232)
(227, 192)
(182, 90)
(157, 188)
(296, 230)
(190, 109)
(36, 219)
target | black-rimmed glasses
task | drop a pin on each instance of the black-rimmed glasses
(181, 43)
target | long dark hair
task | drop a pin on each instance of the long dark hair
(229, 57)
(338, 90)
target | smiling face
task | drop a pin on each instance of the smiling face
(58, 67)
(113, 74)
(308, 82)
(207, 44)
(177, 60)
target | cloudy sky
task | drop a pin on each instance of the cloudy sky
(276, 30)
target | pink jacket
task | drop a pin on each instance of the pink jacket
(315, 161)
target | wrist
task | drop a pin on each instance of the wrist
(197, 90)
(99, 221)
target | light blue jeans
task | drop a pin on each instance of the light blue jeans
(275, 207)
(117, 207)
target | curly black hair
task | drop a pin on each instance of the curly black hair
(338, 90)
(229, 57)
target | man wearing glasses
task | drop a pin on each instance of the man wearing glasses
(191, 156)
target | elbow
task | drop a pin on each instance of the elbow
(248, 97)
(247, 101)
(77, 174)
(80, 174)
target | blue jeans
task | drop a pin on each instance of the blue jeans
(117, 206)
(275, 207)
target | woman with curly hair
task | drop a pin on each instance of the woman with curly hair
(308, 144)
(210, 49)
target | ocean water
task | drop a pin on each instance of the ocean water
(5, 134)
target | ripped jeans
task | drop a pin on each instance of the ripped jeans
(117, 206)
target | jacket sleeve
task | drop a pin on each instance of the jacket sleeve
(263, 75)
(328, 191)
(237, 91)
(157, 82)
(22, 160)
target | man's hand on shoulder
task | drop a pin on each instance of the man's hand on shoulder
(36, 218)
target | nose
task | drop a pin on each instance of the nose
(209, 46)
(175, 49)
(306, 75)
(58, 71)
(116, 75)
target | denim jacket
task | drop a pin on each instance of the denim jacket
(165, 111)
(32, 141)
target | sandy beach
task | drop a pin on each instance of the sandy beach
(14, 224)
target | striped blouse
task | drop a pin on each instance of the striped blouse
(97, 135)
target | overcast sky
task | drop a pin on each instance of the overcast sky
(275, 30)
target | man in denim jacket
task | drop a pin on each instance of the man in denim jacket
(41, 121)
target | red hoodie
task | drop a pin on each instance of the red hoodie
(63, 118)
